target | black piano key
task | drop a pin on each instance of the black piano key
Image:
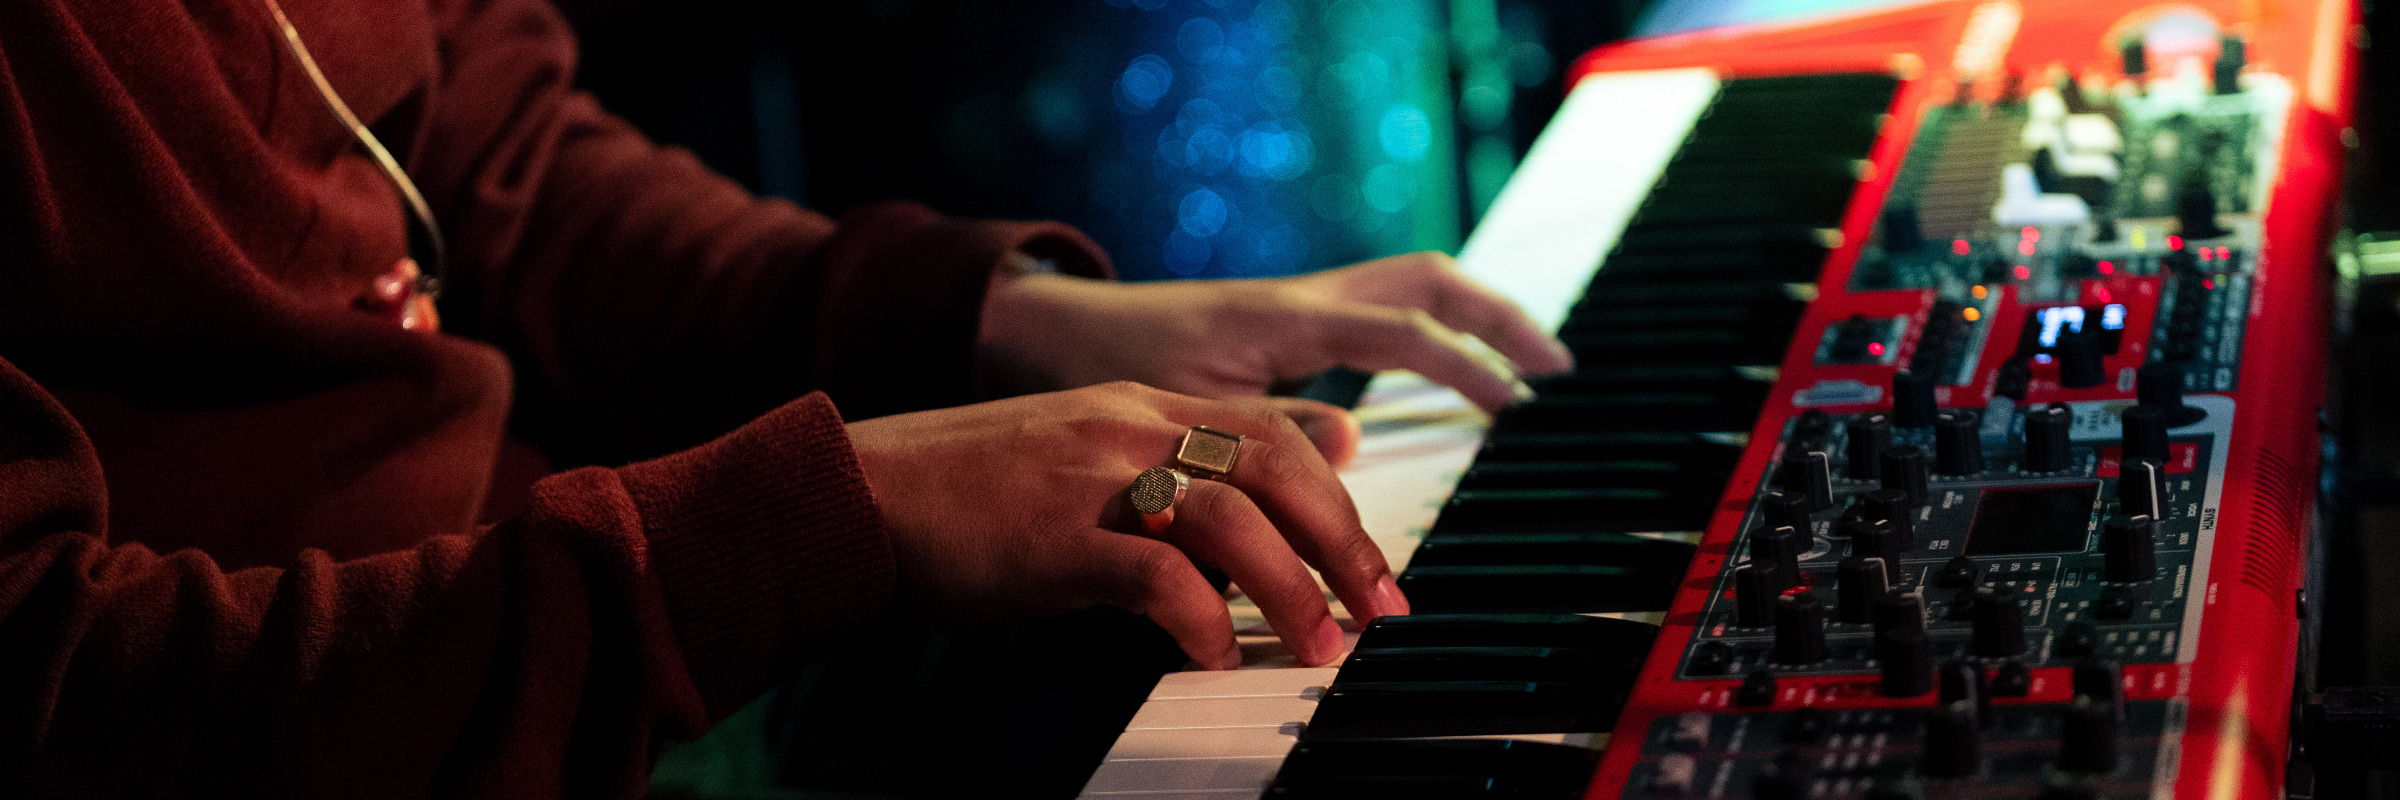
(1543, 664)
(1642, 411)
(1571, 474)
(1508, 444)
(1681, 315)
(1639, 264)
(1560, 588)
(1592, 510)
(1608, 378)
(1566, 631)
(1643, 296)
(1652, 238)
(1463, 708)
(1408, 769)
(1596, 549)
(1679, 345)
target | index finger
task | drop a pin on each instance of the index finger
(1283, 474)
(1433, 282)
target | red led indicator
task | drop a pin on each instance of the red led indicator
(2100, 293)
(1958, 246)
(2174, 242)
(2107, 268)
(2025, 247)
(2205, 254)
(2208, 283)
(2224, 253)
(2024, 272)
(2032, 233)
(1875, 348)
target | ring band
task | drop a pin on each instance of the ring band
(1154, 494)
(1209, 453)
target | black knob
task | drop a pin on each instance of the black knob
(1758, 689)
(1781, 548)
(1810, 429)
(1905, 469)
(2159, 384)
(2014, 379)
(1899, 611)
(1952, 741)
(1913, 405)
(1906, 661)
(1784, 508)
(2012, 679)
(1712, 658)
(1755, 587)
(1958, 443)
(2047, 443)
(1999, 624)
(2131, 545)
(2078, 640)
(2087, 737)
(2079, 364)
(1871, 539)
(1957, 573)
(1799, 629)
(1965, 682)
(2196, 208)
(1870, 435)
(2145, 432)
(1809, 476)
(1892, 505)
(1858, 580)
(2102, 681)
(2141, 488)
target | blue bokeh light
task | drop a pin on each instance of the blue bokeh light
(1405, 133)
(1202, 213)
(1146, 80)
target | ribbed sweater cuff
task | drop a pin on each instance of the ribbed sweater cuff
(762, 541)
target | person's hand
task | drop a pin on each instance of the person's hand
(1232, 338)
(1014, 509)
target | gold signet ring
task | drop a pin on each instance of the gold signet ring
(1208, 452)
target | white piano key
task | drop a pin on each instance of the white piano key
(1184, 743)
(1580, 183)
(1297, 682)
(1223, 712)
(1250, 774)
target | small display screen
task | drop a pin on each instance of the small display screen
(2043, 519)
(2062, 317)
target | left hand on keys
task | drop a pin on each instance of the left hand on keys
(1232, 338)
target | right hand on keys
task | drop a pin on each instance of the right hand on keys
(1016, 508)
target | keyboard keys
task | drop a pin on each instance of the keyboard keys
(1448, 768)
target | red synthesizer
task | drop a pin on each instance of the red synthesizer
(1945, 426)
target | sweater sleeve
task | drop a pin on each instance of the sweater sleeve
(545, 657)
(646, 301)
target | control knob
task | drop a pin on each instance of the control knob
(2079, 359)
(1809, 476)
(2047, 443)
(1870, 435)
(2130, 544)
(2145, 432)
(1906, 661)
(1799, 629)
(1913, 405)
(2087, 737)
(1905, 468)
(1958, 443)
(1999, 623)
(1858, 580)
(1952, 740)
(2159, 384)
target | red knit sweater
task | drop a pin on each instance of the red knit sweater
(239, 553)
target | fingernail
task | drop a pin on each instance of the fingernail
(1520, 391)
(1329, 643)
(1559, 349)
(1388, 599)
(1232, 659)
